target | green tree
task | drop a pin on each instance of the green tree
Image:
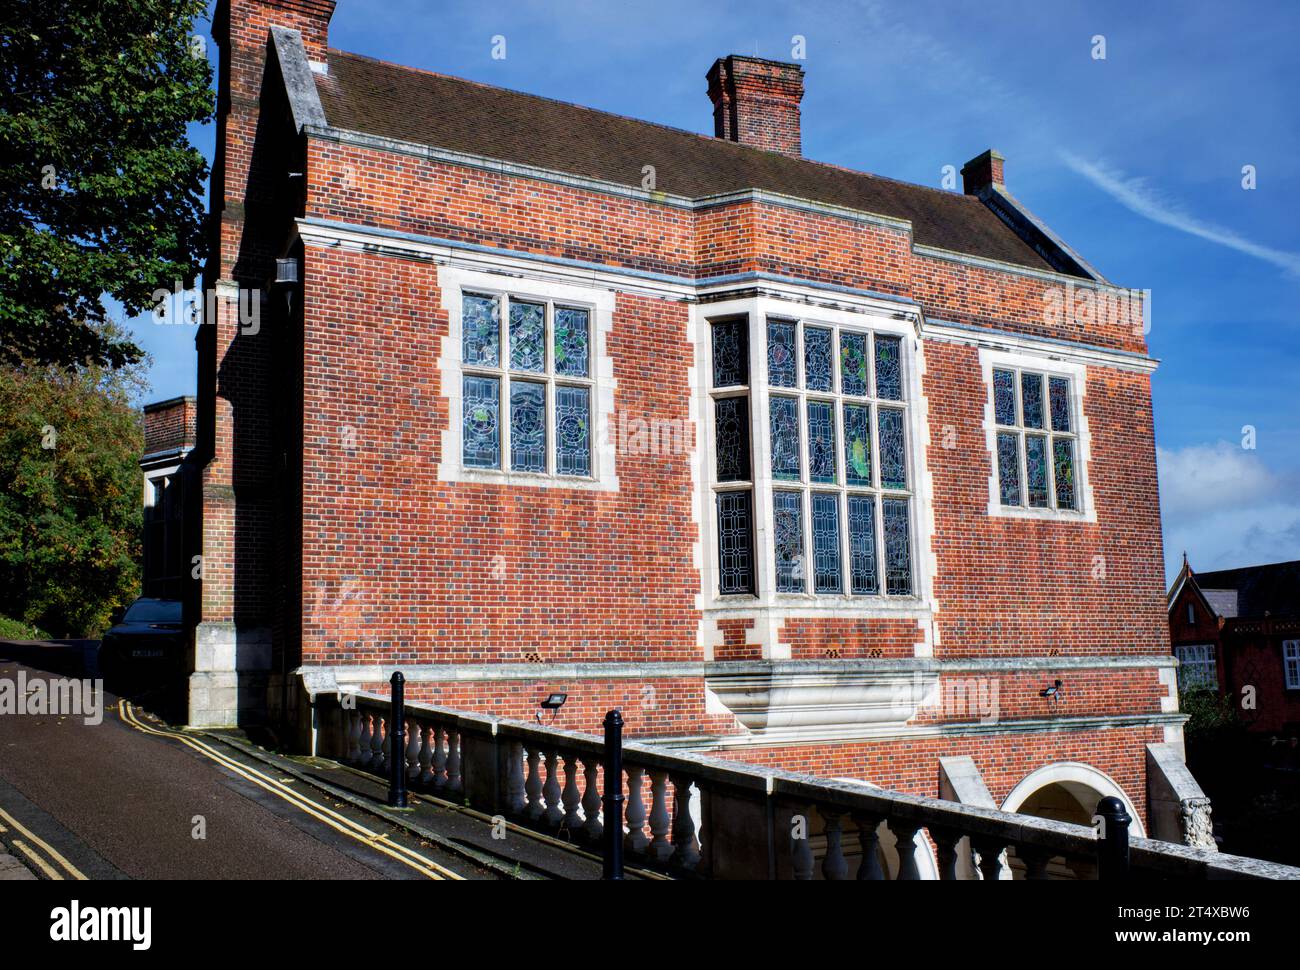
(70, 508)
(100, 190)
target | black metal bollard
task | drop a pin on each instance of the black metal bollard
(397, 745)
(1112, 847)
(613, 800)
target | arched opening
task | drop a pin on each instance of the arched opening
(1064, 792)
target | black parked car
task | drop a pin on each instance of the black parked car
(147, 646)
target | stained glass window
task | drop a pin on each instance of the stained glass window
(826, 542)
(571, 338)
(1004, 397)
(862, 545)
(480, 330)
(783, 413)
(821, 442)
(1036, 470)
(527, 426)
(731, 352)
(1063, 466)
(782, 365)
(1031, 399)
(857, 444)
(527, 336)
(481, 430)
(853, 363)
(735, 542)
(1060, 400)
(889, 368)
(731, 431)
(1009, 468)
(893, 459)
(818, 365)
(787, 529)
(572, 430)
(898, 547)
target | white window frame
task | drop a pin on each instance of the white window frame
(1291, 664)
(1197, 656)
(455, 284)
(1191, 613)
(920, 525)
(1048, 366)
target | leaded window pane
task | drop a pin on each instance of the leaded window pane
(889, 368)
(865, 579)
(826, 542)
(821, 442)
(572, 430)
(898, 547)
(783, 413)
(1031, 399)
(1004, 397)
(731, 434)
(527, 426)
(1009, 468)
(857, 444)
(787, 528)
(818, 359)
(480, 330)
(731, 353)
(1059, 392)
(527, 336)
(893, 459)
(735, 542)
(782, 365)
(853, 364)
(1036, 471)
(481, 426)
(571, 341)
(1063, 467)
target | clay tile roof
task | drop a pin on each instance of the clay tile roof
(1273, 588)
(374, 97)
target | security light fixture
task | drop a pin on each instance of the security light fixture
(552, 703)
(1053, 692)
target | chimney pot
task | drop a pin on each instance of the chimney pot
(756, 103)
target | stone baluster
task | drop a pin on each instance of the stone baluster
(869, 840)
(515, 798)
(660, 820)
(635, 840)
(412, 751)
(686, 850)
(353, 722)
(834, 865)
(571, 797)
(454, 781)
(385, 746)
(905, 844)
(426, 754)
(533, 786)
(439, 759)
(1035, 860)
(363, 740)
(376, 742)
(990, 859)
(801, 853)
(947, 845)
(554, 814)
(591, 801)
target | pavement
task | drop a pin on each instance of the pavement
(132, 797)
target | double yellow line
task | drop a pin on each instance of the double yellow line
(40, 861)
(340, 823)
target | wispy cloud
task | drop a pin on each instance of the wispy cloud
(1138, 195)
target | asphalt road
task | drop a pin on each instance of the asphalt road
(116, 801)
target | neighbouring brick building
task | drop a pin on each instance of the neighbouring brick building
(1237, 632)
(169, 435)
(796, 464)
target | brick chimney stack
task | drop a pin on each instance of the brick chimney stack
(756, 103)
(982, 172)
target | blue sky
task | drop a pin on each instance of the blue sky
(1136, 160)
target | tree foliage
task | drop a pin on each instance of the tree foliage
(70, 487)
(100, 189)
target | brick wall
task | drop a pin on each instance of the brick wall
(169, 425)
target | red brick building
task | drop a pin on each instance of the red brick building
(793, 463)
(1237, 632)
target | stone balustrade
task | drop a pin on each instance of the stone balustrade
(692, 815)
